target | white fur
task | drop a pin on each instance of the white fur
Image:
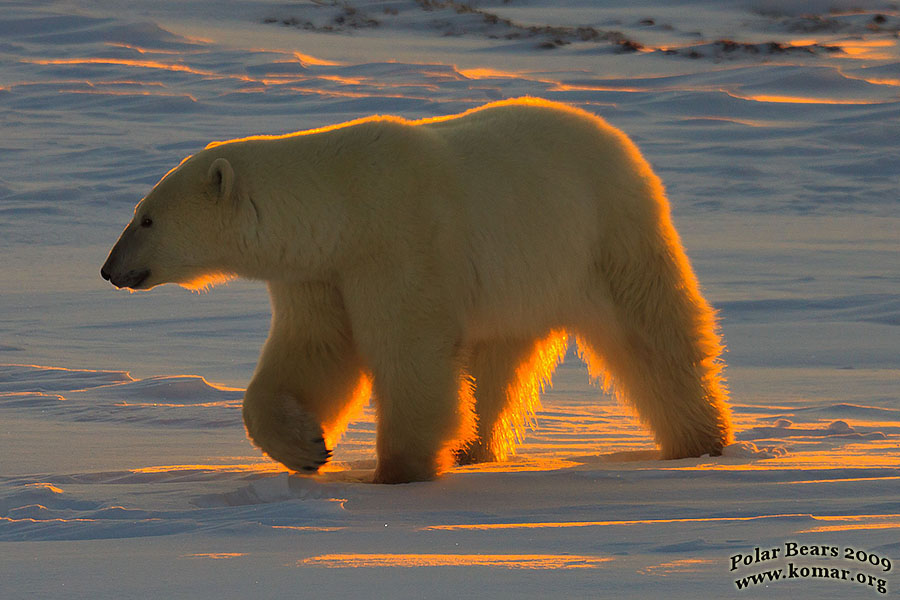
(424, 258)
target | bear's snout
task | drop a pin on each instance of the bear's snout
(131, 279)
(119, 268)
(114, 273)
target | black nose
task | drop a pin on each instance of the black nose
(104, 274)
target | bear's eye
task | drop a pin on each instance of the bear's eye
(146, 222)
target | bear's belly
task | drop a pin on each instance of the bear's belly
(523, 307)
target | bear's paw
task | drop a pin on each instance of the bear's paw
(296, 440)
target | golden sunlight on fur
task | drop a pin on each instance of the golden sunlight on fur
(531, 378)
(206, 282)
(335, 426)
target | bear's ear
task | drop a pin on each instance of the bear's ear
(221, 176)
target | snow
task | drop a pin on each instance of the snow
(124, 469)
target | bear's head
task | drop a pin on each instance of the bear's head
(184, 231)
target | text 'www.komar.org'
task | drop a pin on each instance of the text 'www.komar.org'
(856, 570)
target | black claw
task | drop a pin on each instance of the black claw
(309, 469)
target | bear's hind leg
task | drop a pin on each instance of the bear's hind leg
(509, 376)
(655, 343)
(309, 381)
(683, 407)
(493, 367)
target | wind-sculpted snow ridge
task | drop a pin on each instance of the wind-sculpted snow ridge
(31, 378)
(45, 511)
(114, 397)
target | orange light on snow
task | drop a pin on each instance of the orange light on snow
(485, 73)
(261, 467)
(856, 523)
(503, 561)
(161, 66)
(684, 565)
(574, 524)
(801, 100)
(867, 49)
(307, 59)
(144, 64)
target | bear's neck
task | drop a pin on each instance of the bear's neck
(286, 244)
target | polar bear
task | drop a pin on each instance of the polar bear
(441, 265)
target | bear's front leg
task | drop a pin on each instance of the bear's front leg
(309, 381)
